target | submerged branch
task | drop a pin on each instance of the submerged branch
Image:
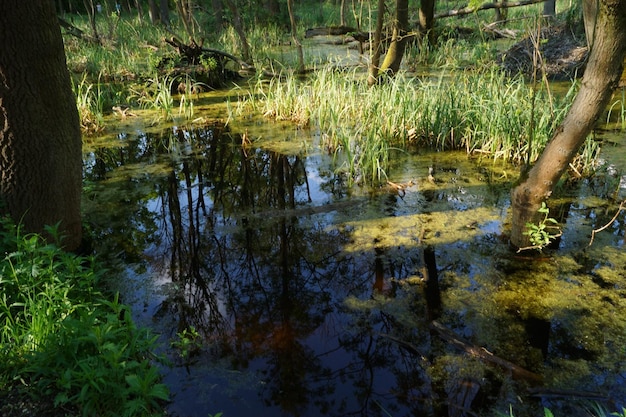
(594, 231)
(483, 354)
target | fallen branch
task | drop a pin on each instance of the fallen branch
(503, 5)
(483, 354)
(72, 30)
(594, 231)
(195, 50)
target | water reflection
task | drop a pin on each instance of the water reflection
(312, 299)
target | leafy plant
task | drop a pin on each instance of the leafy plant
(540, 234)
(64, 338)
(188, 343)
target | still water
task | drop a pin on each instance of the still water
(279, 291)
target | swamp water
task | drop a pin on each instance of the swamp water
(297, 296)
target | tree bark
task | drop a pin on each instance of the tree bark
(393, 58)
(294, 37)
(549, 8)
(376, 46)
(164, 10)
(600, 79)
(153, 12)
(40, 138)
(427, 19)
(238, 26)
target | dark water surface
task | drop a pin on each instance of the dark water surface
(306, 298)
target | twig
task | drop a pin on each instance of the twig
(594, 231)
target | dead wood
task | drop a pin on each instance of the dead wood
(71, 29)
(338, 31)
(566, 393)
(503, 5)
(193, 52)
(483, 354)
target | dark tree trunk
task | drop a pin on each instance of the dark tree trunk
(238, 26)
(91, 12)
(273, 8)
(600, 79)
(153, 12)
(549, 8)
(40, 138)
(501, 12)
(427, 19)
(164, 9)
(294, 36)
(139, 7)
(218, 14)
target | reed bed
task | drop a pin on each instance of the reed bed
(482, 112)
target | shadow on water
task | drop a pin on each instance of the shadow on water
(312, 299)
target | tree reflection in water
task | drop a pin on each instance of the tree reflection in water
(259, 272)
(300, 313)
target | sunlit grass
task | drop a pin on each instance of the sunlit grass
(482, 112)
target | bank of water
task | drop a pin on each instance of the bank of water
(296, 295)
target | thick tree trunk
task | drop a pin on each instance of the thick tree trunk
(40, 139)
(601, 77)
(394, 55)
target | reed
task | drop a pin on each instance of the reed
(482, 112)
(90, 105)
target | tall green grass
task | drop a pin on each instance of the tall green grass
(482, 112)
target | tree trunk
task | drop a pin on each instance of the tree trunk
(139, 7)
(91, 12)
(218, 13)
(501, 12)
(590, 16)
(601, 77)
(427, 19)
(549, 8)
(376, 47)
(164, 10)
(40, 138)
(294, 36)
(394, 55)
(153, 12)
(238, 26)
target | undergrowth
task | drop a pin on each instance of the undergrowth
(61, 338)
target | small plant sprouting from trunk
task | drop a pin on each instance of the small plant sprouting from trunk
(541, 234)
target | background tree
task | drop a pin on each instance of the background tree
(394, 55)
(427, 19)
(376, 46)
(549, 8)
(40, 138)
(600, 79)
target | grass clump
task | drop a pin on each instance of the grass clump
(64, 342)
(481, 112)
